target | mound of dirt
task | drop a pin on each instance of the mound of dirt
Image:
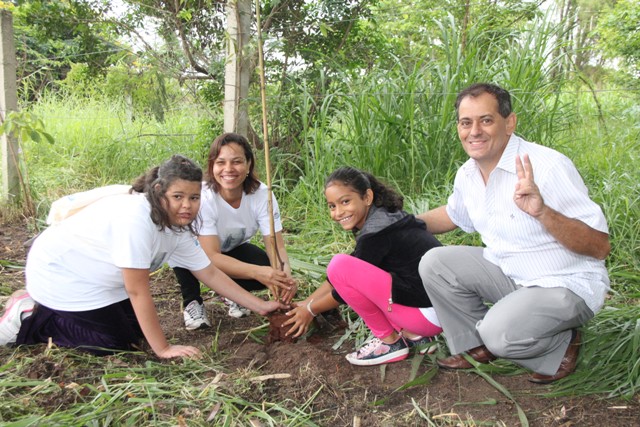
(277, 330)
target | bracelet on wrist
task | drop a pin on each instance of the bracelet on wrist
(309, 308)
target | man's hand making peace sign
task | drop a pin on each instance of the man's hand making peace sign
(527, 195)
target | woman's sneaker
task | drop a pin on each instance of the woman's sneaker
(422, 345)
(195, 316)
(19, 306)
(236, 310)
(376, 352)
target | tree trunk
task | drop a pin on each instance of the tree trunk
(238, 67)
(8, 102)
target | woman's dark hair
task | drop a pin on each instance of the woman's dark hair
(155, 183)
(383, 195)
(251, 182)
(502, 96)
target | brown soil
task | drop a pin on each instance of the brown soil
(277, 331)
(369, 396)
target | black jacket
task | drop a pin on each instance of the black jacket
(397, 248)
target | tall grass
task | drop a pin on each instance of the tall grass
(605, 160)
(399, 123)
(609, 363)
(96, 144)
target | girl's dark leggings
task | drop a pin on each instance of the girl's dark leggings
(247, 252)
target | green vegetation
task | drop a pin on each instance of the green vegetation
(132, 391)
(395, 120)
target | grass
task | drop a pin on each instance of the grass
(399, 125)
(609, 356)
(95, 144)
(129, 389)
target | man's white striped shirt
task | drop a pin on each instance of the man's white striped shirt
(517, 242)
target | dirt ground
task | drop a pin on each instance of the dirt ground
(351, 395)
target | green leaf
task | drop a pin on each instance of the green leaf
(35, 135)
(502, 389)
(25, 134)
(48, 137)
(323, 29)
(423, 379)
(185, 14)
(8, 126)
(11, 264)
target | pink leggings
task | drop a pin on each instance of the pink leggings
(367, 289)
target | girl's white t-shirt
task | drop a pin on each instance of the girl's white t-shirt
(76, 264)
(237, 226)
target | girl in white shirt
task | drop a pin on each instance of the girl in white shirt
(89, 274)
(234, 208)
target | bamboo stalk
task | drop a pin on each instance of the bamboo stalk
(274, 256)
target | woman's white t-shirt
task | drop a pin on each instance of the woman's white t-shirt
(237, 226)
(76, 264)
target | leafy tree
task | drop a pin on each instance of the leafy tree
(142, 90)
(193, 32)
(619, 31)
(304, 41)
(308, 33)
(577, 20)
(316, 46)
(53, 34)
(415, 27)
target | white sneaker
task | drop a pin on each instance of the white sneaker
(195, 316)
(19, 307)
(377, 352)
(236, 310)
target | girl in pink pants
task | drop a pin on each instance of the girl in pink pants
(380, 279)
